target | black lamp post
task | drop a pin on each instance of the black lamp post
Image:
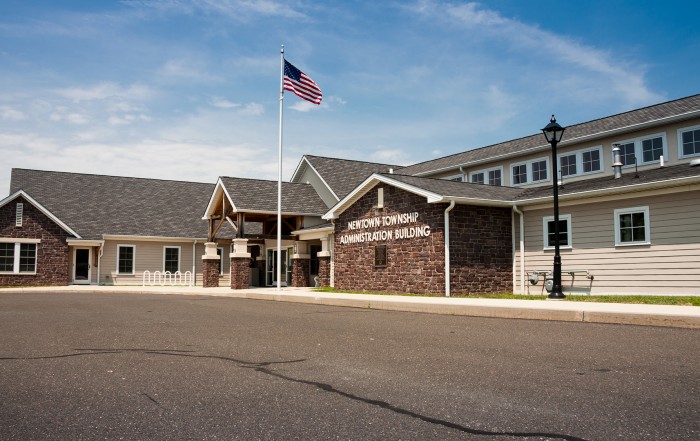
(553, 132)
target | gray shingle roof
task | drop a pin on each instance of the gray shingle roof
(94, 205)
(634, 117)
(260, 195)
(456, 189)
(343, 175)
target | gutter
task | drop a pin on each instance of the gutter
(447, 248)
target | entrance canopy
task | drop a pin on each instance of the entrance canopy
(249, 206)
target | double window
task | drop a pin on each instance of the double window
(18, 257)
(549, 237)
(126, 259)
(530, 172)
(581, 162)
(645, 150)
(689, 142)
(491, 176)
(632, 226)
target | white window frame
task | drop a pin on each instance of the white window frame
(486, 172)
(133, 267)
(528, 171)
(680, 141)
(647, 226)
(579, 161)
(179, 257)
(638, 153)
(545, 232)
(15, 264)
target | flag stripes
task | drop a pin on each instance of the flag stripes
(300, 84)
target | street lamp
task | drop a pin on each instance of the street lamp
(553, 132)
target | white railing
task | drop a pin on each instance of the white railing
(167, 278)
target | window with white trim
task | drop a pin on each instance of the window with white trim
(18, 258)
(647, 150)
(581, 162)
(171, 259)
(126, 259)
(632, 226)
(530, 172)
(456, 178)
(548, 236)
(689, 142)
(491, 176)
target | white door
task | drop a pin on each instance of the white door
(82, 266)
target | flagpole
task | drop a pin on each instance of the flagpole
(279, 177)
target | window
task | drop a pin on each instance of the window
(530, 172)
(18, 258)
(689, 141)
(581, 162)
(7, 257)
(491, 176)
(495, 177)
(568, 165)
(647, 150)
(456, 178)
(632, 226)
(591, 161)
(18, 214)
(171, 259)
(380, 256)
(539, 171)
(125, 259)
(519, 174)
(220, 253)
(564, 231)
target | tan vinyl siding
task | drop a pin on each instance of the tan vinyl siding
(669, 265)
(149, 257)
(312, 178)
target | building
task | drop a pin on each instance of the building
(478, 221)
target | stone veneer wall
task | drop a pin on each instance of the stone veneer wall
(210, 273)
(53, 260)
(300, 272)
(481, 259)
(413, 265)
(480, 248)
(324, 271)
(240, 273)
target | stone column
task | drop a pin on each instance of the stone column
(240, 264)
(301, 264)
(210, 266)
(324, 263)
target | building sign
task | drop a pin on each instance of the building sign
(387, 228)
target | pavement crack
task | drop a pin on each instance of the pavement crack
(152, 399)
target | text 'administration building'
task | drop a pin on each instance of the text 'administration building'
(475, 222)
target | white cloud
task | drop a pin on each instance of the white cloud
(106, 90)
(253, 109)
(304, 106)
(189, 69)
(62, 114)
(10, 114)
(223, 103)
(127, 119)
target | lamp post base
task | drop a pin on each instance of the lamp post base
(556, 295)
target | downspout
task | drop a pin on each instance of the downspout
(99, 261)
(464, 175)
(522, 249)
(447, 247)
(194, 263)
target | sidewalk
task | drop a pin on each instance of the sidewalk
(617, 313)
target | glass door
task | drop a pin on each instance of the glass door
(271, 267)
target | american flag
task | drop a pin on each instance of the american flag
(298, 82)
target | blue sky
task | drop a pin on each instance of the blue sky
(189, 89)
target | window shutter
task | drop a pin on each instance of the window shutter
(19, 213)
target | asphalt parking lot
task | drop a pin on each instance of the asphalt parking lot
(119, 366)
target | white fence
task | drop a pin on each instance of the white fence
(167, 278)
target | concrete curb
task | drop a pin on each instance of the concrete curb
(585, 312)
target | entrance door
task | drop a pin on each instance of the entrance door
(82, 270)
(271, 267)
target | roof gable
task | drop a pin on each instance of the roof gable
(343, 175)
(38, 206)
